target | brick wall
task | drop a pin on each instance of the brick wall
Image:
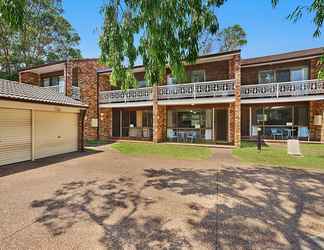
(250, 75)
(87, 81)
(314, 68)
(105, 121)
(317, 132)
(30, 78)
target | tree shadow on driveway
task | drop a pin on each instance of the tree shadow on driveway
(112, 206)
(256, 208)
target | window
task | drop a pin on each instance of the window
(52, 81)
(283, 75)
(147, 119)
(142, 83)
(75, 77)
(299, 74)
(171, 80)
(46, 82)
(198, 76)
(266, 76)
(278, 115)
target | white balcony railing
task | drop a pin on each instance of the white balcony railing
(283, 89)
(197, 90)
(76, 93)
(131, 95)
(178, 91)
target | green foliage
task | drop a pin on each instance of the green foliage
(321, 70)
(45, 35)
(232, 38)
(316, 8)
(12, 12)
(162, 33)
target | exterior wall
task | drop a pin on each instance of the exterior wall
(317, 132)
(105, 120)
(30, 78)
(87, 81)
(250, 75)
(314, 68)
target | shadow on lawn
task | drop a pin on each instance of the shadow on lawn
(111, 205)
(259, 208)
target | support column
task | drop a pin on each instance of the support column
(105, 129)
(316, 108)
(81, 130)
(235, 73)
(159, 118)
(68, 78)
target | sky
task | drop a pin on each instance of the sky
(268, 30)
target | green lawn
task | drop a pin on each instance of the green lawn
(276, 155)
(163, 150)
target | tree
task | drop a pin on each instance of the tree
(167, 33)
(316, 8)
(44, 36)
(232, 38)
(12, 12)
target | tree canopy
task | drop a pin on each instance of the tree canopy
(316, 8)
(45, 35)
(12, 12)
(162, 33)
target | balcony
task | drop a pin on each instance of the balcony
(307, 89)
(193, 91)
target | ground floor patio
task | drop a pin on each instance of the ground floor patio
(104, 200)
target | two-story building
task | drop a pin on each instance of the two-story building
(222, 100)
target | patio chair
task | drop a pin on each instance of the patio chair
(192, 136)
(172, 135)
(303, 132)
(277, 132)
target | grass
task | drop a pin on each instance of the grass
(276, 155)
(163, 150)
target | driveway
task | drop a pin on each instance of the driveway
(105, 200)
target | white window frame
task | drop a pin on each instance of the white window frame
(198, 71)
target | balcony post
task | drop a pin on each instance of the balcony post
(277, 90)
(235, 108)
(159, 118)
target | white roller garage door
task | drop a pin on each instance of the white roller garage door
(15, 135)
(55, 133)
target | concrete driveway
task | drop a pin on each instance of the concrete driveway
(108, 201)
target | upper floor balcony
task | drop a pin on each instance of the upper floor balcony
(295, 90)
(197, 91)
(216, 90)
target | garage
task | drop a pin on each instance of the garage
(37, 122)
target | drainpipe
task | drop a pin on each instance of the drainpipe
(82, 116)
(98, 115)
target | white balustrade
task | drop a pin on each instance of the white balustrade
(197, 90)
(283, 89)
(131, 95)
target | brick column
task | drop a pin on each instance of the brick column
(314, 68)
(316, 131)
(68, 68)
(235, 108)
(105, 116)
(159, 118)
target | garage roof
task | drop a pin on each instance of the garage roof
(26, 92)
